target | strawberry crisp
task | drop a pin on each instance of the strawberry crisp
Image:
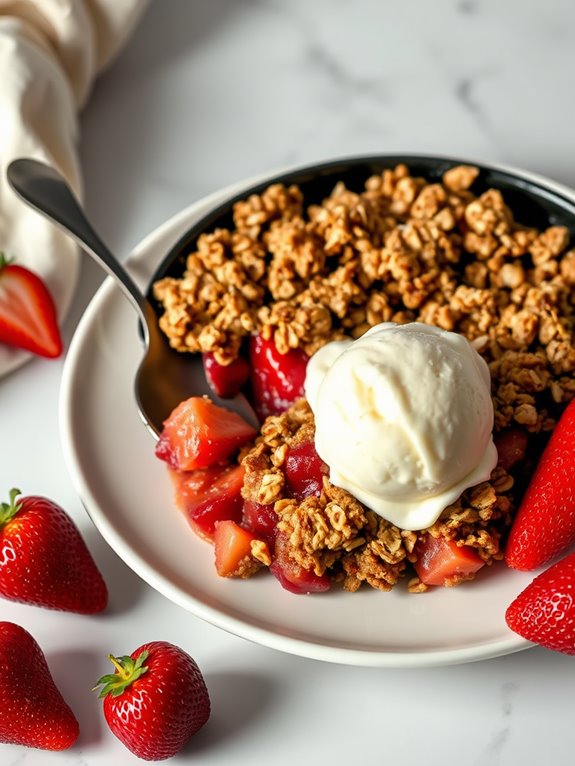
(257, 300)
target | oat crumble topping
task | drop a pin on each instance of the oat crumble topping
(335, 533)
(401, 250)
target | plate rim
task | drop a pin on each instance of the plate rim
(173, 227)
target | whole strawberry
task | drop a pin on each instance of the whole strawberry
(44, 560)
(545, 611)
(33, 710)
(544, 525)
(156, 700)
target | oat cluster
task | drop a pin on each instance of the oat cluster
(401, 250)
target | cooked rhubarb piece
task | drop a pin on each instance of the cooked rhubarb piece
(291, 575)
(232, 545)
(277, 379)
(226, 380)
(209, 495)
(261, 519)
(511, 446)
(304, 470)
(438, 560)
(199, 434)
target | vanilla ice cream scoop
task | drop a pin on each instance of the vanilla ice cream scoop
(403, 419)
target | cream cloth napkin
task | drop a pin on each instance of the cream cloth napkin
(50, 54)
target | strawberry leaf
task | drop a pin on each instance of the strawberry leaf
(9, 510)
(4, 260)
(128, 670)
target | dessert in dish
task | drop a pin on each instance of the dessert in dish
(291, 278)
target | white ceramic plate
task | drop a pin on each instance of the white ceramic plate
(128, 495)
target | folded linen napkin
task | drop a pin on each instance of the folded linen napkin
(50, 54)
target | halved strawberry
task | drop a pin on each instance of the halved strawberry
(291, 575)
(199, 434)
(209, 495)
(226, 380)
(304, 470)
(27, 313)
(277, 379)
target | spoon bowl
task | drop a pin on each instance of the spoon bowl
(164, 377)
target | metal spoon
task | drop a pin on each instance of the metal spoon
(165, 377)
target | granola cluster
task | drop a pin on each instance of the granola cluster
(402, 249)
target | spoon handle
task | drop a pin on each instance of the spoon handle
(44, 189)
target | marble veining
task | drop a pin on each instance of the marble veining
(465, 93)
(493, 752)
(204, 95)
(467, 7)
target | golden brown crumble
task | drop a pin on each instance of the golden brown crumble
(250, 564)
(401, 250)
(260, 552)
(335, 534)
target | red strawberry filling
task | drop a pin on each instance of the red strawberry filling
(209, 495)
(198, 442)
(261, 519)
(232, 546)
(512, 444)
(199, 434)
(226, 380)
(291, 575)
(277, 380)
(440, 560)
(304, 471)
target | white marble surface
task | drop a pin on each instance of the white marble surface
(207, 93)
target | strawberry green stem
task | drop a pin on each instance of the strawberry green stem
(4, 260)
(119, 669)
(9, 510)
(128, 670)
